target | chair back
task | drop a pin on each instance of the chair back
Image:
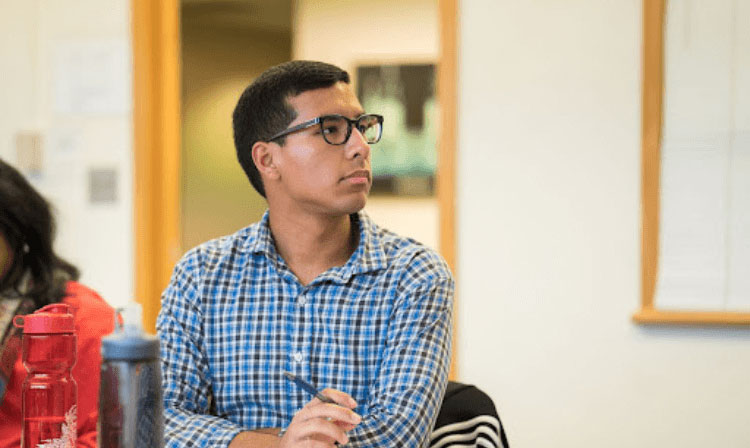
(467, 418)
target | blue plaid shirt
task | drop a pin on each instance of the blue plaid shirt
(234, 317)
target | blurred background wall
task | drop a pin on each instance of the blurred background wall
(65, 121)
(225, 45)
(549, 241)
(548, 198)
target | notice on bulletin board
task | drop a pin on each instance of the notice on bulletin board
(91, 77)
(704, 233)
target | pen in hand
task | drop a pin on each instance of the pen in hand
(309, 388)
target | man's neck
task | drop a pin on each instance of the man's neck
(312, 244)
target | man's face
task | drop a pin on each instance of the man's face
(316, 176)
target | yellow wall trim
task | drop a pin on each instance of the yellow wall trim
(447, 84)
(156, 128)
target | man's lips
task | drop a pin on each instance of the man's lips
(358, 176)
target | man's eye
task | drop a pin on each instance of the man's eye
(329, 130)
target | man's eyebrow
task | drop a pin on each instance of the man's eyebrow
(356, 114)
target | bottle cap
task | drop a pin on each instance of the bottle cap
(54, 318)
(128, 342)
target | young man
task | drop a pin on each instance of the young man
(315, 289)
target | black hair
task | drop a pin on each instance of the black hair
(27, 224)
(263, 110)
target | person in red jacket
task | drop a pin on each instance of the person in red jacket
(32, 276)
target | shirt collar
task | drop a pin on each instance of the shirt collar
(259, 238)
(367, 257)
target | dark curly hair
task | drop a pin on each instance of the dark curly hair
(263, 110)
(27, 224)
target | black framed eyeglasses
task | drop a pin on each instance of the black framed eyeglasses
(337, 129)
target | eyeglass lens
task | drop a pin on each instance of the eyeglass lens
(336, 129)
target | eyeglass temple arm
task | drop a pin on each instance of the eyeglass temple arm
(296, 128)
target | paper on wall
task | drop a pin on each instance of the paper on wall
(91, 77)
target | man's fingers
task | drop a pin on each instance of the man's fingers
(341, 398)
(321, 430)
(332, 412)
(345, 426)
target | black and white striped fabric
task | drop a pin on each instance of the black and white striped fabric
(467, 418)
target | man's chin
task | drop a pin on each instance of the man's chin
(355, 205)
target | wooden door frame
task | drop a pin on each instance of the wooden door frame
(156, 127)
(447, 87)
(156, 139)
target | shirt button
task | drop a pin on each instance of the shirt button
(298, 357)
(302, 299)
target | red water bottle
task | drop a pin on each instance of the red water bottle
(49, 393)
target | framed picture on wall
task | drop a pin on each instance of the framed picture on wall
(404, 161)
(696, 165)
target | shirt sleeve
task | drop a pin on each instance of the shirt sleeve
(414, 369)
(186, 386)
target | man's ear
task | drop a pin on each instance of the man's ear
(262, 153)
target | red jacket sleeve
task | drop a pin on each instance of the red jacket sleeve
(94, 318)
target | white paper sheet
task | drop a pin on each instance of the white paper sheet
(91, 77)
(704, 234)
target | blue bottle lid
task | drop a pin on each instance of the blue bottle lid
(128, 342)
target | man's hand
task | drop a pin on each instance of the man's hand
(265, 437)
(318, 424)
(321, 425)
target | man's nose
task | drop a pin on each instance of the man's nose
(357, 145)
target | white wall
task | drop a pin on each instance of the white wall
(347, 33)
(98, 238)
(344, 33)
(548, 241)
(17, 53)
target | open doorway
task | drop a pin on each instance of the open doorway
(225, 44)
